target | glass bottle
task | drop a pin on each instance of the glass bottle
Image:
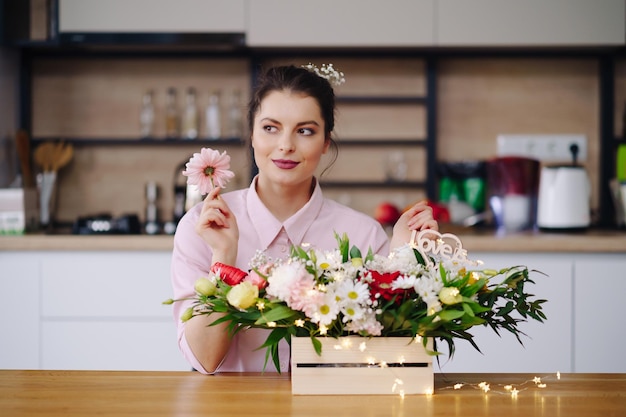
(190, 116)
(152, 225)
(146, 117)
(171, 115)
(235, 121)
(213, 126)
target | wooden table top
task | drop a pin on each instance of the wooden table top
(112, 393)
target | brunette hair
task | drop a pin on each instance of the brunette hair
(299, 80)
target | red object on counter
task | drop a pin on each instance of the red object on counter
(387, 214)
(441, 214)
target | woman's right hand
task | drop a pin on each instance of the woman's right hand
(217, 226)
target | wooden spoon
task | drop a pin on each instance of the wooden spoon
(23, 151)
(44, 155)
(63, 155)
(53, 156)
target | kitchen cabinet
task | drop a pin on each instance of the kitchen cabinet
(151, 16)
(530, 23)
(19, 311)
(348, 23)
(87, 310)
(599, 339)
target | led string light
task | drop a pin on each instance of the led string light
(509, 389)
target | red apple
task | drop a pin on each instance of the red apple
(387, 213)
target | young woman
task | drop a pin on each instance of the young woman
(291, 118)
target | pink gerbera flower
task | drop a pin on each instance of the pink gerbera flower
(208, 169)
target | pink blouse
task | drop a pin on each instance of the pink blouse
(260, 230)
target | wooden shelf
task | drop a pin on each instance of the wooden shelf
(381, 99)
(382, 142)
(137, 141)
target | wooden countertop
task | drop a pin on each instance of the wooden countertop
(123, 393)
(592, 241)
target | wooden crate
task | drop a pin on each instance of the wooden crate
(360, 366)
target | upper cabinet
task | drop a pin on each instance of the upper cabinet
(151, 16)
(348, 23)
(531, 23)
(435, 23)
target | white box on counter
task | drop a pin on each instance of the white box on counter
(19, 211)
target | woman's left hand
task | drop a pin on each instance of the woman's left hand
(419, 217)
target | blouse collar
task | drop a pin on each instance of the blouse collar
(268, 227)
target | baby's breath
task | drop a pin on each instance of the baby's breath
(328, 72)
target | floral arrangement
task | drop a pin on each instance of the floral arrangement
(425, 289)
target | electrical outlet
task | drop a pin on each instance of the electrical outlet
(545, 148)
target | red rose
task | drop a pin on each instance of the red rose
(231, 275)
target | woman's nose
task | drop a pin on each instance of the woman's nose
(286, 143)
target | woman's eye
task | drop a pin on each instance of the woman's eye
(269, 128)
(305, 131)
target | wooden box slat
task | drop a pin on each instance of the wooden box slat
(346, 367)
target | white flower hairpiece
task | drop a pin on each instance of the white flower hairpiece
(328, 72)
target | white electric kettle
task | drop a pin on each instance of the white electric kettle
(563, 200)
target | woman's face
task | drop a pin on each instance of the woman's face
(288, 138)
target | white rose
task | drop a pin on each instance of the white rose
(243, 295)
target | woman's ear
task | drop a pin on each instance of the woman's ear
(327, 143)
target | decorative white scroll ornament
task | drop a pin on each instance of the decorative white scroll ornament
(436, 247)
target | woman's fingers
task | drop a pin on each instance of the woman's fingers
(421, 217)
(214, 210)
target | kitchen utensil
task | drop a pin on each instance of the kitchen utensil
(47, 186)
(53, 156)
(50, 157)
(564, 197)
(22, 144)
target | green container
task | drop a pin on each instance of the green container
(463, 181)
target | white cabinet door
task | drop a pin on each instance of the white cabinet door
(346, 23)
(547, 346)
(599, 290)
(102, 310)
(19, 311)
(152, 16)
(530, 22)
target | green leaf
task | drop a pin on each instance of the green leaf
(317, 345)
(370, 255)
(449, 315)
(344, 246)
(355, 252)
(468, 310)
(280, 312)
(419, 257)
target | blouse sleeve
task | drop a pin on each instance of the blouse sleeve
(191, 259)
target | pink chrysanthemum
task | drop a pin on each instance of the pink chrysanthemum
(208, 169)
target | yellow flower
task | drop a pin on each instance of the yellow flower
(205, 286)
(450, 295)
(357, 262)
(243, 295)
